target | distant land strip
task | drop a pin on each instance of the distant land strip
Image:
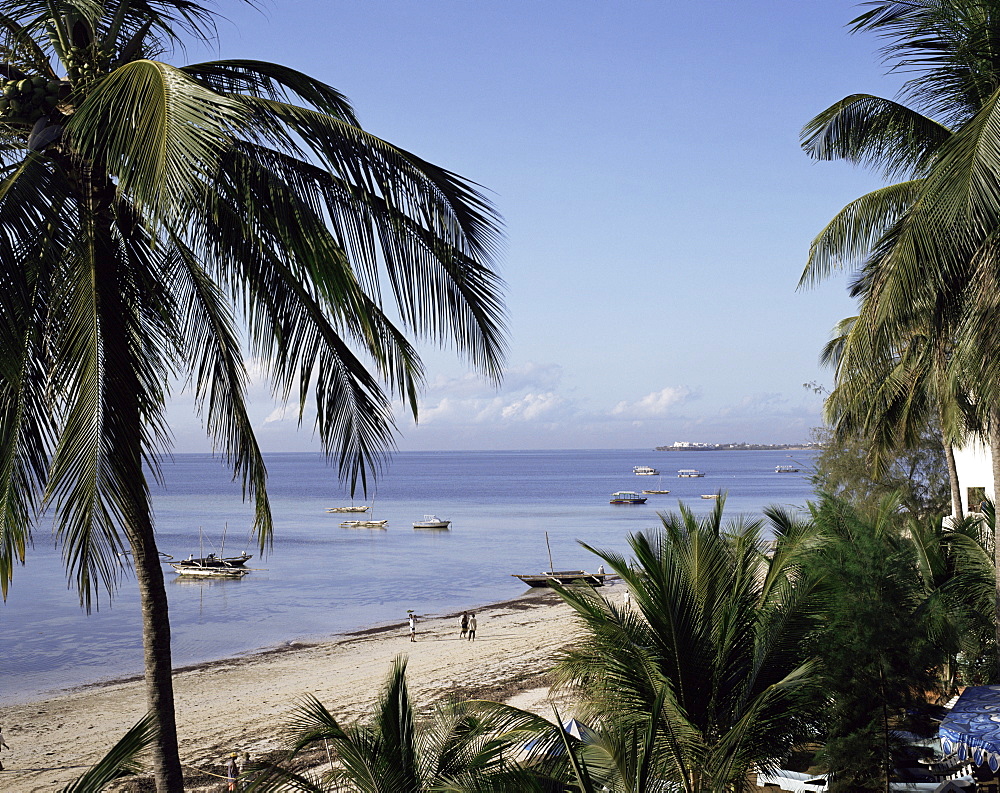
(739, 447)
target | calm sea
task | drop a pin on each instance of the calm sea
(320, 579)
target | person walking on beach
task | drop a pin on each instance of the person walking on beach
(3, 745)
(472, 627)
(232, 772)
(413, 626)
(465, 623)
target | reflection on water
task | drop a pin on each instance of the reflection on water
(319, 579)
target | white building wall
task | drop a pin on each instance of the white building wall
(975, 469)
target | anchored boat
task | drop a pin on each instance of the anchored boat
(432, 522)
(627, 497)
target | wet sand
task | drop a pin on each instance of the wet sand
(240, 704)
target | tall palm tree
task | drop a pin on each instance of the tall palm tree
(154, 220)
(927, 246)
(707, 661)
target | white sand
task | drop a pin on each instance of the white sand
(240, 704)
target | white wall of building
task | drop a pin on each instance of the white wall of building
(975, 469)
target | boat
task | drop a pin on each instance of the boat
(657, 492)
(627, 497)
(711, 495)
(363, 524)
(689, 473)
(786, 469)
(208, 570)
(349, 509)
(213, 564)
(216, 561)
(432, 522)
(645, 470)
(563, 577)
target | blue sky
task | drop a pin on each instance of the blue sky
(658, 208)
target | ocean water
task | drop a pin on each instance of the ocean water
(319, 579)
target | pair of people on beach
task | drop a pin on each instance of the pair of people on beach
(469, 625)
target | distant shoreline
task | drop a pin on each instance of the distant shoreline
(740, 447)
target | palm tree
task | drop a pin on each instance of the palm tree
(157, 219)
(395, 752)
(697, 682)
(928, 245)
(891, 400)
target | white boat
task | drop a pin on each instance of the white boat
(786, 469)
(205, 571)
(645, 470)
(363, 508)
(363, 524)
(689, 473)
(432, 522)
(215, 561)
(711, 495)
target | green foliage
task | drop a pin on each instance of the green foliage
(918, 475)
(873, 638)
(463, 747)
(699, 680)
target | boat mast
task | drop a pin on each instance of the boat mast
(551, 566)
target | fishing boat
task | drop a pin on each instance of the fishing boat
(363, 524)
(657, 492)
(213, 564)
(563, 577)
(432, 522)
(786, 469)
(645, 470)
(215, 561)
(219, 570)
(363, 508)
(627, 497)
(689, 473)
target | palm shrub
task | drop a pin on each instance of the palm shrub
(158, 219)
(699, 681)
(463, 747)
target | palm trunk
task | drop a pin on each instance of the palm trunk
(994, 443)
(122, 419)
(956, 488)
(157, 657)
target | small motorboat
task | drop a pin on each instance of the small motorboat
(711, 495)
(363, 524)
(689, 473)
(786, 469)
(432, 522)
(627, 497)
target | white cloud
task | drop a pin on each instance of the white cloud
(657, 404)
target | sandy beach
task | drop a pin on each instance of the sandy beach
(240, 704)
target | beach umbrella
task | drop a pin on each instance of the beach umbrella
(972, 729)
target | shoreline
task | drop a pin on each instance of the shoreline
(239, 703)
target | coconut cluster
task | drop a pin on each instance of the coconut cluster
(29, 99)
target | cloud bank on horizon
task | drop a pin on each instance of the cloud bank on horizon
(533, 410)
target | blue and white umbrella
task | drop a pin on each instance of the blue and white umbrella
(972, 728)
